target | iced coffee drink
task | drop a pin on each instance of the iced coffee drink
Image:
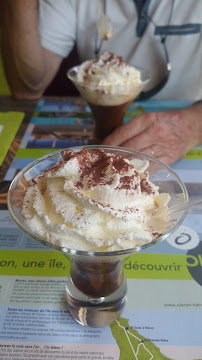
(97, 205)
(109, 86)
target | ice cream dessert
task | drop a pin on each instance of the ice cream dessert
(95, 201)
(109, 86)
(108, 71)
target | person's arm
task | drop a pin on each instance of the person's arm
(166, 135)
(28, 66)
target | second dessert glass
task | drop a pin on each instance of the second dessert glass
(96, 286)
(108, 103)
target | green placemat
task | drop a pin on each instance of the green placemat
(9, 125)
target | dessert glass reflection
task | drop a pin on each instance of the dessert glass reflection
(96, 286)
(109, 86)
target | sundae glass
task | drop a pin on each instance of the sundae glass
(96, 286)
(109, 86)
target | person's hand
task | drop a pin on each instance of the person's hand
(166, 135)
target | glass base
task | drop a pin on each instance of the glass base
(95, 312)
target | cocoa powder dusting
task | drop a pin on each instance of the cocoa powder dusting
(79, 185)
(146, 188)
(120, 164)
(156, 235)
(92, 166)
(67, 154)
(126, 182)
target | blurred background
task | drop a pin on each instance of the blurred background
(60, 86)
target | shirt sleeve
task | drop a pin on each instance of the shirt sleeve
(57, 25)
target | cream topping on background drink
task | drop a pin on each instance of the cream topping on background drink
(103, 80)
(93, 201)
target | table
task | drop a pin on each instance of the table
(162, 319)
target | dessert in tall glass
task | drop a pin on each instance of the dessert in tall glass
(109, 86)
(97, 205)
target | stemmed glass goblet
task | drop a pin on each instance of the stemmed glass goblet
(108, 103)
(96, 286)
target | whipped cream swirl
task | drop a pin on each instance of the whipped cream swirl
(107, 80)
(94, 201)
(108, 69)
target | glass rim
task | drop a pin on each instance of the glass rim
(83, 253)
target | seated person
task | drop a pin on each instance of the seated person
(155, 35)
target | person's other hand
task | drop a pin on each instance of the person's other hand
(166, 135)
